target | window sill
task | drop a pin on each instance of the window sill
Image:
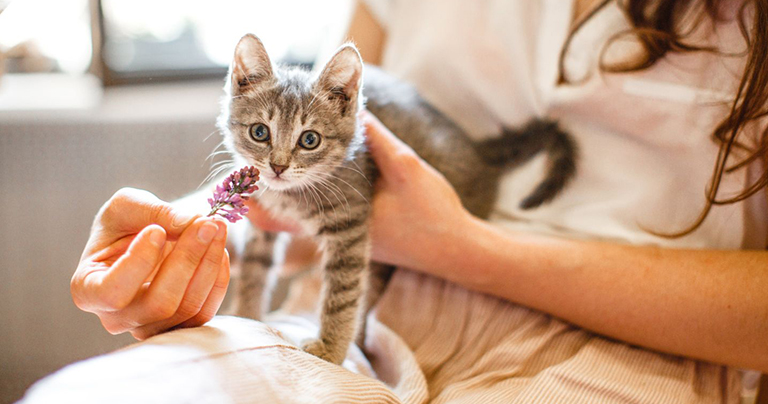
(35, 97)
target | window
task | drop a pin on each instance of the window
(148, 39)
(57, 40)
(143, 40)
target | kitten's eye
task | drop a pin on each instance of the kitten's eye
(309, 140)
(259, 132)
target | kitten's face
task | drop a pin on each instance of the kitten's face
(294, 128)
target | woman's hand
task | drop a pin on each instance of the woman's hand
(262, 219)
(148, 268)
(416, 213)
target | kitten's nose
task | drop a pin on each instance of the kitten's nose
(278, 169)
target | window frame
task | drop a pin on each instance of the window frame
(110, 77)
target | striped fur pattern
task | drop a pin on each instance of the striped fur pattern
(327, 187)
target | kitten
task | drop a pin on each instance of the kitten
(303, 134)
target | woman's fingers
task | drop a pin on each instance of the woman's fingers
(204, 279)
(148, 262)
(265, 221)
(395, 159)
(197, 291)
(215, 298)
(168, 287)
(383, 143)
(112, 288)
(123, 280)
(129, 210)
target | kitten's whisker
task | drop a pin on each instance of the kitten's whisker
(216, 153)
(323, 177)
(210, 177)
(335, 214)
(316, 199)
(333, 189)
(344, 203)
(347, 168)
(224, 165)
(360, 171)
(220, 163)
(302, 185)
(211, 134)
(321, 195)
(348, 184)
(329, 186)
(263, 190)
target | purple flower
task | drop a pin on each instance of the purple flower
(229, 198)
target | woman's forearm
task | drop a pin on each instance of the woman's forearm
(710, 305)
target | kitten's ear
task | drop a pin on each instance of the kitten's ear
(251, 66)
(342, 78)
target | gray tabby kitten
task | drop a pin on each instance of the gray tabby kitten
(303, 134)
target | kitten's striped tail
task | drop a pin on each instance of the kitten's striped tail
(516, 146)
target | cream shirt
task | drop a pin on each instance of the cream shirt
(646, 154)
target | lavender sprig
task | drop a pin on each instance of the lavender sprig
(229, 198)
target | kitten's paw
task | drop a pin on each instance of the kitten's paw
(318, 348)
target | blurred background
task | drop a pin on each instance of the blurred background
(96, 95)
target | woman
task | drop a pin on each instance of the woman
(600, 256)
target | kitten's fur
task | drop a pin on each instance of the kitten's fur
(328, 189)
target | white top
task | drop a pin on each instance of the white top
(646, 153)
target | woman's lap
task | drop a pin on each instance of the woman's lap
(433, 342)
(476, 348)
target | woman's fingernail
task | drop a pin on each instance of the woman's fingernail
(156, 237)
(207, 231)
(222, 231)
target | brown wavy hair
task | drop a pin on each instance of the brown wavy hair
(657, 25)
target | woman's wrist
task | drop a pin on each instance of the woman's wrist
(488, 259)
(471, 252)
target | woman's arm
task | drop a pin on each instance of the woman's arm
(710, 305)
